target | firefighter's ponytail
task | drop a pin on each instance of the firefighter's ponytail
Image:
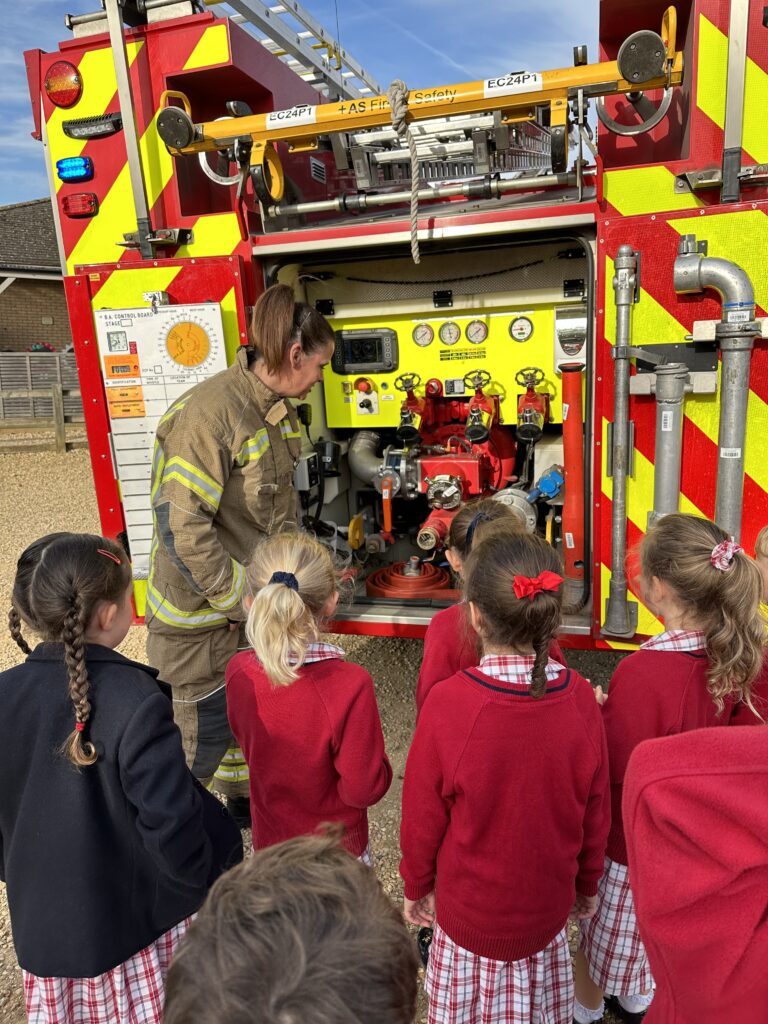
(278, 321)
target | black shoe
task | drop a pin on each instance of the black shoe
(424, 941)
(240, 809)
(621, 1013)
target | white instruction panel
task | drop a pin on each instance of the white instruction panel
(149, 358)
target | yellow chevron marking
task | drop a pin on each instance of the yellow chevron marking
(214, 235)
(710, 89)
(213, 48)
(98, 243)
(123, 289)
(231, 325)
(741, 237)
(97, 71)
(645, 190)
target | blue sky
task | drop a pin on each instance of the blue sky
(424, 42)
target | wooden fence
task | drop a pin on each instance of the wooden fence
(59, 441)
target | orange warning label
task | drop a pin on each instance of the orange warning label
(121, 367)
(125, 402)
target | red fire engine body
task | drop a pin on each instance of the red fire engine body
(580, 338)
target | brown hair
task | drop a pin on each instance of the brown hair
(509, 621)
(724, 603)
(278, 321)
(299, 933)
(20, 610)
(761, 544)
(282, 620)
(73, 574)
(472, 517)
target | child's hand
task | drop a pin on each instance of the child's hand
(600, 695)
(420, 912)
(583, 908)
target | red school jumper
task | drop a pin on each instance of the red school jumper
(696, 808)
(314, 749)
(655, 692)
(451, 645)
(505, 809)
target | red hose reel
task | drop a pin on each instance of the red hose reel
(400, 581)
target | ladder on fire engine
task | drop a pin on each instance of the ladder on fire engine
(447, 147)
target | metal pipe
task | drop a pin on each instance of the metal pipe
(476, 189)
(672, 382)
(364, 461)
(735, 335)
(130, 132)
(617, 618)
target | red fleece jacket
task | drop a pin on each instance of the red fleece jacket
(696, 808)
(315, 749)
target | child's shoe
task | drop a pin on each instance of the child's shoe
(583, 1015)
(631, 1009)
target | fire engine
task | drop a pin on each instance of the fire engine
(570, 321)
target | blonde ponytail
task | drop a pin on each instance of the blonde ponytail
(292, 578)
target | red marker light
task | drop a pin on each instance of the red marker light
(63, 84)
(80, 204)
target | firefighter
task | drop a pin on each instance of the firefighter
(222, 478)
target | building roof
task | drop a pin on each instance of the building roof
(28, 238)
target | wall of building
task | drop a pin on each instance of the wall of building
(32, 311)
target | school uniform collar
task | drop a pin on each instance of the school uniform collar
(51, 651)
(676, 640)
(516, 668)
(320, 650)
(521, 688)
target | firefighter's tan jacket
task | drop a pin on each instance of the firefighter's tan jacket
(222, 478)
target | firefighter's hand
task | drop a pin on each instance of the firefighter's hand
(600, 695)
(583, 908)
(420, 912)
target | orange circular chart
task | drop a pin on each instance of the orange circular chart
(188, 343)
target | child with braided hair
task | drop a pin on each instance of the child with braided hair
(451, 644)
(506, 803)
(106, 838)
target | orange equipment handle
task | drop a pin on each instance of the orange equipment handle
(386, 501)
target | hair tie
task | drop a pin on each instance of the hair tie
(304, 319)
(479, 517)
(286, 578)
(108, 554)
(79, 726)
(530, 586)
(723, 554)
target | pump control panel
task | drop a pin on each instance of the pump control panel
(439, 349)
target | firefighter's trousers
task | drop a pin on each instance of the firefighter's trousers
(193, 662)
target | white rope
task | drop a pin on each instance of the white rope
(397, 94)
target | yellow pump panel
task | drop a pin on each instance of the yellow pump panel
(516, 338)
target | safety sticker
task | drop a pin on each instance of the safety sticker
(566, 407)
(730, 453)
(302, 114)
(667, 421)
(512, 83)
(569, 541)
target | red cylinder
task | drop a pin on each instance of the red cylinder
(573, 458)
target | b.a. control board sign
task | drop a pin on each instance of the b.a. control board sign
(150, 356)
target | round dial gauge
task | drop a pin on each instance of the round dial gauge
(188, 343)
(476, 331)
(423, 335)
(521, 328)
(449, 333)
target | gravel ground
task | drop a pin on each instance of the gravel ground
(43, 492)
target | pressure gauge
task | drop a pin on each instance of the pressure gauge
(188, 343)
(423, 335)
(521, 328)
(449, 332)
(476, 331)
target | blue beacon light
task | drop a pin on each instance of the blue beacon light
(75, 168)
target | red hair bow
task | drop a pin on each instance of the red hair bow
(527, 586)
